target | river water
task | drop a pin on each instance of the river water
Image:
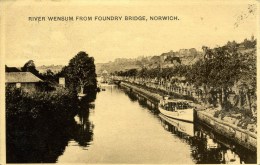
(122, 127)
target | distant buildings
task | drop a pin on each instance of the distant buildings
(54, 68)
(104, 77)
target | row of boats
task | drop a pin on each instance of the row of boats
(177, 109)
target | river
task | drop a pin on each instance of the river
(122, 127)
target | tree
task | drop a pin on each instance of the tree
(247, 80)
(132, 73)
(231, 46)
(249, 43)
(81, 72)
(30, 67)
(49, 76)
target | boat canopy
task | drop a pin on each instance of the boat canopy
(172, 105)
(178, 101)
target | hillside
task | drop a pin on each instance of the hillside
(53, 68)
(168, 59)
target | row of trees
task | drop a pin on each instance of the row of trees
(223, 71)
(166, 73)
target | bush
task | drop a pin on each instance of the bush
(59, 102)
(32, 118)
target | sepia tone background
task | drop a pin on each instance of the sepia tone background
(201, 22)
(56, 42)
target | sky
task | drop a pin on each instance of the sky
(200, 23)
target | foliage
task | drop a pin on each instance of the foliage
(39, 125)
(30, 67)
(49, 76)
(80, 72)
(216, 114)
(33, 105)
(35, 117)
(225, 70)
(130, 72)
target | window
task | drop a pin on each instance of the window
(18, 85)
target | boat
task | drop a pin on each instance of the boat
(177, 109)
(180, 126)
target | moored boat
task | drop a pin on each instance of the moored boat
(180, 126)
(177, 109)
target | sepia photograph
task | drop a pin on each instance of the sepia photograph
(129, 82)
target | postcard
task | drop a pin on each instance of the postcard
(129, 82)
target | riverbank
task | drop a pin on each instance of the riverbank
(223, 126)
(34, 118)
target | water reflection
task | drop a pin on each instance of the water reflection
(126, 132)
(45, 139)
(145, 103)
(83, 133)
(206, 147)
(177, 127)
(221, 149)
(128, 128)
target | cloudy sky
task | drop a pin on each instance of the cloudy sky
(200, 23)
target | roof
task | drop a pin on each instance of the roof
(21, 77)
(104, 72)
(12, 69)
(178, 101)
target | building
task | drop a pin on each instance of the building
(62, 81)
(24, 80)
(104, 77)
(12, 69)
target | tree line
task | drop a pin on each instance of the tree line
(223, 71)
